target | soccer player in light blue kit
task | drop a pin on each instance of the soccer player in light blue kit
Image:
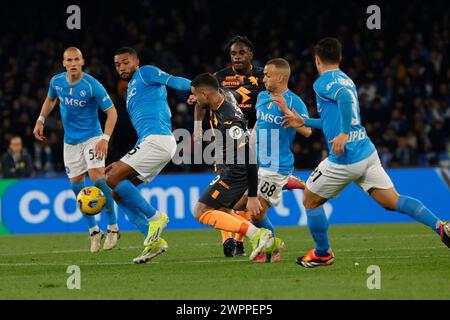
(150, 115)
(352, 157)
(85, 145)
(274, 146)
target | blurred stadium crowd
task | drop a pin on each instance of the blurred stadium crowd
(402, 71)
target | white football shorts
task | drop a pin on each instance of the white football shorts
(329, 179)
(79, 158)
(151, 156)
(270, 185)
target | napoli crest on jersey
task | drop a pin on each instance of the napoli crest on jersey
(83, 93)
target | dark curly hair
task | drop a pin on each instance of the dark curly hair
(242, 39)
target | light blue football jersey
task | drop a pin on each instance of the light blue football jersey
(79, 104)
(273, 141)
(359, 146)
(147, 102)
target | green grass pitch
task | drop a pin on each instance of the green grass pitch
(414, 264)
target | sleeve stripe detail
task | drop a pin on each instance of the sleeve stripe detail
(338, 92)
(167, 81)
(92, 91)
(323, 97)
(108, 108)
(139, 71)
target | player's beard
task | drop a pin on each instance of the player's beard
(126, 77)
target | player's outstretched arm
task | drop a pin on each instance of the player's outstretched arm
(303, 130)
(179, 83)
(199, 114)
(153, 75)
(292, 114)
(47, 107)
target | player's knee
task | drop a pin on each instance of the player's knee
(390, 206)
(199, 210)
(259, 217)
(310, 204)
(112, 181)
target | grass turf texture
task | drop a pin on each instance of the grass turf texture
(414, 265)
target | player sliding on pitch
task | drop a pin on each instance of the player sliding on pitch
(150, 115)
(85, 148)
(239, 170)
(352, 158)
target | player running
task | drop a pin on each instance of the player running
(245, 82)
(239, 169)
(352, 158)
(150, 115)
(274, 144)
(85, 145)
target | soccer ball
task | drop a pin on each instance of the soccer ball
(91, 200)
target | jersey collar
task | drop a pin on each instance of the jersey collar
(249, 72)
(76, 82)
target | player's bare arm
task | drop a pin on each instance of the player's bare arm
(101, 149)
(299, 127)
(199, 114)
(47, 108)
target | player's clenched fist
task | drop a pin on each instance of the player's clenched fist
(192, 100)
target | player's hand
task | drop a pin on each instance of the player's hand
(254, 206)
(191, 100)
(338, 143)
(293, 120)
(198, 131)
(281, 102)
(39, 131)
(101, 149)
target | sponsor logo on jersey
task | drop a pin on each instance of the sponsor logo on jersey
(72, 102)
(131, 93)
(235, 132)
(344, 82)
(253, 80)
(244, 93)
(270, 118)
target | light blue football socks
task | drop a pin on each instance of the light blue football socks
(318, 227)
(416, 210)
(109, 206)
